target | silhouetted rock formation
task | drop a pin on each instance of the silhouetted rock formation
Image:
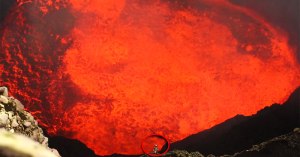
(74, 148)
(70, 148)
(242, 132)
(283, 146)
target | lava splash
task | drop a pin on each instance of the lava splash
(114, 72)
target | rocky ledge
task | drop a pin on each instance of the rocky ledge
(20, 131)
(283, 146)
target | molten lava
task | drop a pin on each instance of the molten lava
(110, 73)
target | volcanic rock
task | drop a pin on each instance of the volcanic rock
(15, 119)
(283, 146)
(241, 132)
(18, 145)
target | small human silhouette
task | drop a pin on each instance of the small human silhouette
(155, 149)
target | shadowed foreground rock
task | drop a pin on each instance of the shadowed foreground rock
(241, 132)
(283, 146)
(20, 134)
(17, 145)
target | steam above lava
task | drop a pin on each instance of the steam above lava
(117, 71)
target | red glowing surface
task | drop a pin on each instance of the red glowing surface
(150, 142)
(127, 69)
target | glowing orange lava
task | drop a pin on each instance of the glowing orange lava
(174, 71)
(143, 67)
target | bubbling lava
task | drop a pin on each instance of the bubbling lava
(173, 68)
